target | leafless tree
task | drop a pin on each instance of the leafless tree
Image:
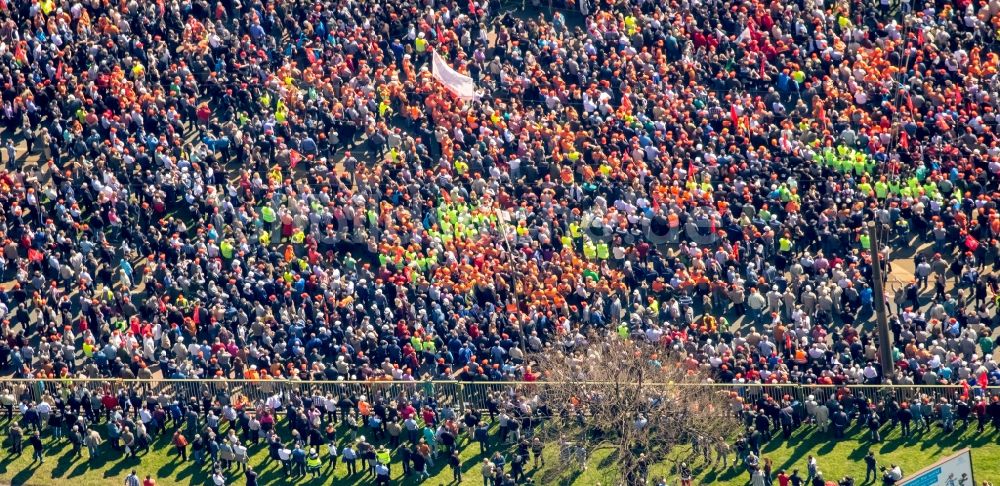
(627, 395)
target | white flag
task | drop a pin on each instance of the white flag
(463, 86)
(745, 35)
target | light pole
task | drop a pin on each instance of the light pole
(884, 341)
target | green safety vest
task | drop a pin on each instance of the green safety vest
(226, 248)
(383, 457)
(623, 331)
(267, 214)
(420, 44)
(881, 189)
(313, 461)
(865, 241)
(785, 244)
(602, 251)
(589, 251)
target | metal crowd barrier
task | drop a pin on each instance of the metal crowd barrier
(458, 395)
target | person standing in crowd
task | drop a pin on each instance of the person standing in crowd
(37, 448)
(871, 471)
(251, 476)
(132, 479)
(180, 443)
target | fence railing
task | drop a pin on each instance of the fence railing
(458, 395)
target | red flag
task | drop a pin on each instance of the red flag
(762, 60)
(712, 228)
(295, 157)
(965, 389)
(59, 71)
(984, 380)
(920, 37)
(311, 55)
(909, 104)
(690, 170)
(904, 140)
(733, 116)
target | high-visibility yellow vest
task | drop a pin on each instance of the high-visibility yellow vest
(268, 215)
(602, 251)
(881, 189)
(281, 112)
(313, 461)
(226, 248)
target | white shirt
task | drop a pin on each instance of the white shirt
(273, 402)
(870, 372)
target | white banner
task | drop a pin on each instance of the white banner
(952, 471)
(463, 86)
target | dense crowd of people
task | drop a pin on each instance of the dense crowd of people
(263, 190)
(283, 190)
(416, 433)
(305, 434)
